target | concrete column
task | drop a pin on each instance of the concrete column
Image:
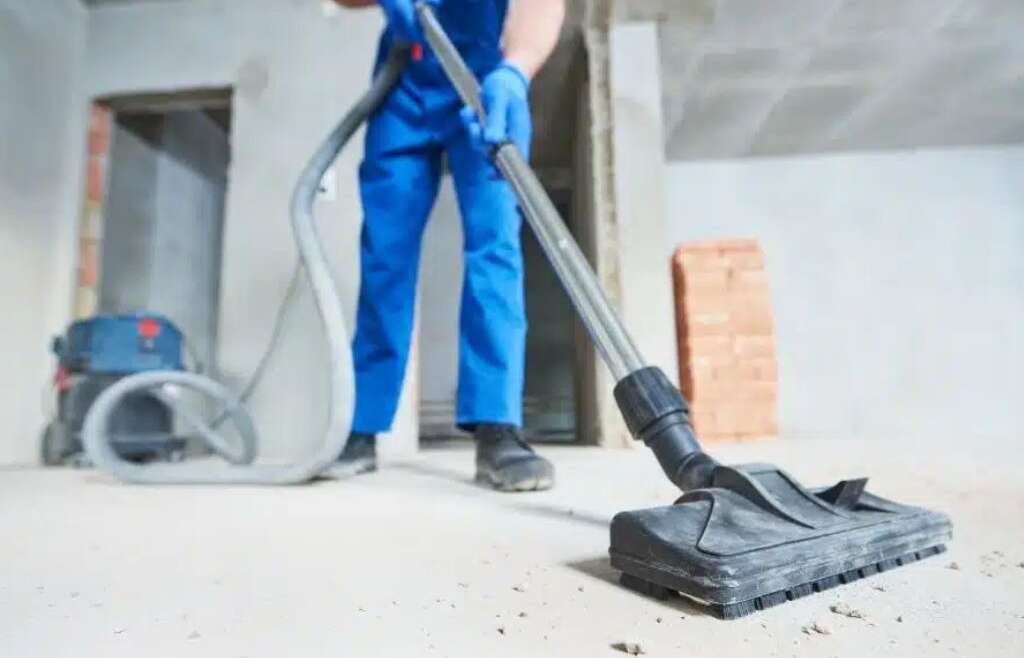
(598, 419)
(639, 166)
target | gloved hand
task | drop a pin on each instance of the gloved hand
(401, 15)
(505, 94)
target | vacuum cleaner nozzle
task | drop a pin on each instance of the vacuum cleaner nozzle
(742, 538)
(746, 538)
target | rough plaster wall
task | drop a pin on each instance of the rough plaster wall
(42, 149)
(129, 216)
(296, 66)
(897, 280)
(190, 207)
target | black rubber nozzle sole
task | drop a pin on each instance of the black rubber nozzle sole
(739, 609)
(760, 539)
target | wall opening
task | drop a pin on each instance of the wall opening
(554, 361)
(153, 224)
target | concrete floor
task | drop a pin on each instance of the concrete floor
(418, 561)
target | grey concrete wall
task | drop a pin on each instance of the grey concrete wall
(130, 215)
(897, 280)
(295, 67)
(163, 220)
(42, 149)
(189, 202)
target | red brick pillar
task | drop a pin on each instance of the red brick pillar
(727, 364)
(91, 230)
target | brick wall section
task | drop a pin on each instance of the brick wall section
(726, 347)
(90, 231)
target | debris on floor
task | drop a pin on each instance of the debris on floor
(846, 611)
(194, 635)
(630, 648)
(519, 588)
(501, 630)
(954, 566)
(817, 628)
(899, 619)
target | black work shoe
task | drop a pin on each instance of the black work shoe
(507, 463)
(359, 455)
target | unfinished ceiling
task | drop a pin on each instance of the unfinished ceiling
(749, 77)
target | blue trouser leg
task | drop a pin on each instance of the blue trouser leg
(398, 183)
(492, 320)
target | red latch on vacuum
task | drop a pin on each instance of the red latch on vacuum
(149, 328)
(417, 52)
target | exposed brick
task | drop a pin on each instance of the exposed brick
(705, 280)
(92, 222)
(710, 324)
(741, 370)
(752, 419)
(99, 117)
(95, 183)
(703, 261)
(750, 260)
(706, 346)
(754, 346)
(99, 143)
(726, 349)
(766, 369)
(751, 282)
(703, 423)
(88, 263)
(734, 390)
(750, 320)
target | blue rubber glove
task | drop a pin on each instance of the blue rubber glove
(401, 16)
(505, 93)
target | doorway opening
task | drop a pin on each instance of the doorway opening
(554, 408)
(154, 218)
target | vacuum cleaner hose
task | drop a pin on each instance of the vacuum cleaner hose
(242, 451)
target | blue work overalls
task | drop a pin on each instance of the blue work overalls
(405, 144)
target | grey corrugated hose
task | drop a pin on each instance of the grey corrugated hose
(241, 452)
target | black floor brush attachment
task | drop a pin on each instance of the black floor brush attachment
(740, 538)
(746, 538)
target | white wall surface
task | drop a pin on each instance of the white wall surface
(295, 67)
(897, 282)
(42, 150)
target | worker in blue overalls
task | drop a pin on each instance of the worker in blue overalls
(422, 126)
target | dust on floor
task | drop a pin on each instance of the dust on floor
(416, 560)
